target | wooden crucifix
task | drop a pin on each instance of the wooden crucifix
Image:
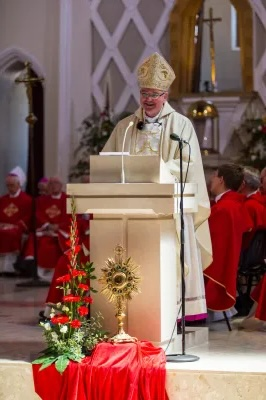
(210, 22)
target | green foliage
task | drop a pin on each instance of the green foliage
(254, 151)
(94, 132)
(69, 333)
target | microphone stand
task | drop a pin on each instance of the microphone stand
(183, 357)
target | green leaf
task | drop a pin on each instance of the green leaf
(43, 359)
(93, 277)
(47, 363)
(93, 290)
(76, 358)
(61, 363)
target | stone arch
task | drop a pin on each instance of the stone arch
(13, 54)
(182, 25)
(9, 58)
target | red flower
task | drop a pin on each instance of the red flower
(88, 299)
(83, 286)
(60, 319)
(264, 129)
(68, 253)
(64, 278)
(75, 323)
(77, 272)
(82, 310)
(71, 299)
(77, 249)
(68, 243)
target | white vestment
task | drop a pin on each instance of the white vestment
(155, 139)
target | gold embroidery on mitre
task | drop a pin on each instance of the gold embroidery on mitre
(155, 73)
(11, 209)
(53, 211)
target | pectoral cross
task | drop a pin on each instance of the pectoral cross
(210, 22)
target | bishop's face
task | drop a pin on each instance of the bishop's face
(152, 100)
(12, 185)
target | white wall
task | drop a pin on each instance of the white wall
(228, 68)
(13, 128)
(80, 66)
(56, 35)
(32, 26)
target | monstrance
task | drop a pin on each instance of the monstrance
(120, 279)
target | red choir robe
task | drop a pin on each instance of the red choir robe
(256, 207)
(259, 296)
(228, 221)
(55, 295)
(17, 212)
(49, 210)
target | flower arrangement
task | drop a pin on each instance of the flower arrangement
(254, 151)
(69, 333)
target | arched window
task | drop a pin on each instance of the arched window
(234, 29)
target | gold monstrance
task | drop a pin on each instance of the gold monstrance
(120, 282)
(211, 21)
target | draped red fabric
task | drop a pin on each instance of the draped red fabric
(128, 371)
(259, 295)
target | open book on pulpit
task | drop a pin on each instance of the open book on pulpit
(136, 169)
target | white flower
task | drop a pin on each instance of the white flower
(58, 305)
(65, 308)
(52, 315)
(63, 329)
(259, 128)
(54, 336)
(47, 326)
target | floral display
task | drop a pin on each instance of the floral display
(71, 333)
(94, 133)
(254, 151)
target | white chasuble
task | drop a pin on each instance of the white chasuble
(154, 139)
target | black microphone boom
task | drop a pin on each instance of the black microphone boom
(177, 138)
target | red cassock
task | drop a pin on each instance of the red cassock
(259, 295)
(49, 210)
(17, 212)
(255, 205)
(228, 221)
(54, 294)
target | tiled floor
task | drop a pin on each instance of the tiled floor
(21, 337)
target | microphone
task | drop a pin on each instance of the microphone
(123, 148)
(177, 138)
(140, 125)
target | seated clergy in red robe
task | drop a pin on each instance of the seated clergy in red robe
(255, 203)
(15, 217)
(228, 221)
(52, 227)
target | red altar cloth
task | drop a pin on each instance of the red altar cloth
(129, 371)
